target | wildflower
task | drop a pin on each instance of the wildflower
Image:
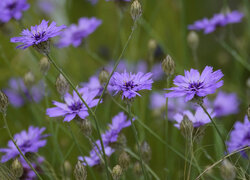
(218, 20)
(93, 85)
(193, 84)
(28, 142)
(12, 9)
(198, 119)
(73, 105)
(226, 104)
(130, 84)
(240, 136)
(38, 36)
(19, 94)
(74, 34)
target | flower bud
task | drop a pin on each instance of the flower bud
(103, 76)
(228, 171)
(17, 168)
(62, 85)
(44, 65)
(4, 102)
(137, 169)
(29, 79)
(193, 40)
(136, 10)
(124, 160)
(145, 151)
(186, 128)
(80, 172)
(86, 127)
(43, 47)
(68, 168)
(117, 172)
(152, 45)
(168, 65)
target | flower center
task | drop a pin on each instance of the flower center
(11, 6)
(39, 35)
(25, 145)
(129, 85)
(76, 106)
(247, 137)
(195, 86)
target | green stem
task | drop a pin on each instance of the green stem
(11, 137)
(165, 130)
(137, 140)
(216, 127)
(90, 110)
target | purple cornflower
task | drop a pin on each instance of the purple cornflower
(194, 84)
(130, 84)
(38, 34)
(74, 34)
(198, 119)
(240, 136)
(19, 94)
(94, 84)
(73, 105)
(218, 20)
(27, 141)
(226, 104)
(12, 9)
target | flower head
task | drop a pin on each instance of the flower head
(218, 20)
(12, 9)
(130, 84)
(74, 34)
(37, 34)
(18, 93)
(73, 105)
(198, 119)
(196, 84)
(27, 141)
(240, 136)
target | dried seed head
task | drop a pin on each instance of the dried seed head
(62, 85)
(43, 47)
(168, 65)
(124, 160)
(29, 79)
(117, 172)
(186, 128)
(4, 102)
(80, 172)
(136, 10)
(228, 171)
(17, 168)
(193, 40)
(68, 168)
(103, 76)
(86, 127)
(137, 169)
(44, 65)
(146, 151)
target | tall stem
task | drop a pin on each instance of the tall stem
(165, 126)
(11, 137)
(90, 110)
(137, 140)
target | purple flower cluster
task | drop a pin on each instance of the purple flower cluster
(198, 119)
(130, 84)
(73, 105)
(240, 136)
(37, 34)
(12, 9)
(27, 141)
(74, 34)
(110, 136)
(18, 93)
(196, 84)
(218, 20)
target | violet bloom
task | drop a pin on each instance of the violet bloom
(74, 34)
(218, 20)
(157, 71)
(19, 94)
(28, 141)
(38, 34)
(46, 6)
(198, 119)
(240, 136)
(130, 84)
(226, 104)
(12, 9)
(73, 105)
(196, 84)
(93, 85)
